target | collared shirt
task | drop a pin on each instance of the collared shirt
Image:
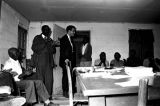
(15, 66)
(43, 36)
(84, 48)
(70, 41)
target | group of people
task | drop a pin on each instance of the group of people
(131, 61)
(103, 62)
(40, 86)
(37, 77)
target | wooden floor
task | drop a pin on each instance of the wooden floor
(60, 100)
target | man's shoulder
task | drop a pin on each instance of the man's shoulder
(38, 36)
(64, 37)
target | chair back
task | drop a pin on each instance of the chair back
(69, 82)
(143, 92)
(149, 91)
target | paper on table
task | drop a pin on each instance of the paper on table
(139, 71)
(132, 82)
(118, 76)
(104, 75)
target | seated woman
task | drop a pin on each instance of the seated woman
(102, 61)
(116, 62)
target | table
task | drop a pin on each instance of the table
(102, 90)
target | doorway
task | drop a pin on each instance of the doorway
(78, 38)
(22, 42)
(141, 41)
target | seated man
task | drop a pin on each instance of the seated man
(32, 87)
(7, 87)
(102, 61)
(117, 62)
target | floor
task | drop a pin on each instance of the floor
(58, 99)
(61, 101)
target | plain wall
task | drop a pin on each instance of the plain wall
(107, 37)
(10, 19)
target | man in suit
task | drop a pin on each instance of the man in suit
(43, 50)
(86, 53)
(67, 51)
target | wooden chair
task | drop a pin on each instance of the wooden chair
(149, 93)
(73, 99)
(77, 97)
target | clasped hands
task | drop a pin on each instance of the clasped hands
(52, 42)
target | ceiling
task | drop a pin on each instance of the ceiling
(134, 11)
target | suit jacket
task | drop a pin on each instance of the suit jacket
(87, 53)
(43, 51)
(67, 51)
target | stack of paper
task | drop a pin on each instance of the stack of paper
(139, 71)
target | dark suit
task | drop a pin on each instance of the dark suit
(86, 58)
(66, 52)
(43, 56)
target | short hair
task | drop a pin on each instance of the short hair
(117, 53)
(69, 27)
(102, 54)
(44, 27)
(12, 52)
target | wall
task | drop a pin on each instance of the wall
(108, 37)
(10, 19)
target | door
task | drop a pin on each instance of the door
(22, 42)
(78, 38)
(142, 42)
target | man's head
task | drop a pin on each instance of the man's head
(85, 40)
(71, 30)
(102, 56)
(46, 30)
(13, 53)
(117, 56)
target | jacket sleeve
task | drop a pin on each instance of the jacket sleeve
(38, 45)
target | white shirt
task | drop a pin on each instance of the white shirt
(43, 36)
(84, 48)
(70, 41)
(15, 66)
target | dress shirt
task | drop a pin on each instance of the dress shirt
(84, 48)
(70, 41)
(43, 36)
(15, 66)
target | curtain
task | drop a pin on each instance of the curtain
(141, 41)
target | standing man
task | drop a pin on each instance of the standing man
(67, 51)
(43, 49)
(86, 53)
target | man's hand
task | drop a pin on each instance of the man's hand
(28, 72)
(14, 73)
(7, 70)
(56, 43)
